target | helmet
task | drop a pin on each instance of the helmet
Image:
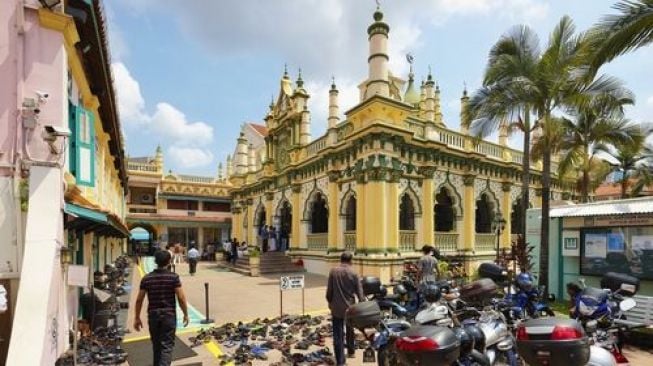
(383, 291)
(400, 290)
(525, 281)
(466, 341)
(478, 335)
(431, 293)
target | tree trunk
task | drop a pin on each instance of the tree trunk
(585, 185)
(624, 186)
(525, 176)
(544, 234)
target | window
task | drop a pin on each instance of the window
(350, 214)
(319, 215)
(182, 205)
(82, 145)
(619, 249)
(216, 207)
(406, 213)
(484, 214)
(286, 218)
(443, 212)
(516, 218)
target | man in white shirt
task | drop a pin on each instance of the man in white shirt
(226, 246)
(193, 257)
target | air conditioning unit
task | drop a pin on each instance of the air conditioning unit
(147, 198)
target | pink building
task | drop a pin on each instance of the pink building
(61, 162)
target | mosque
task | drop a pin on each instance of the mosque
(384, 180)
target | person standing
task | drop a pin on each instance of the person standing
(272, 239)
(169, 249)
(283, 234)
(193, 257)
(427, 266)
(265, 235)
(161, 287)
(342, 288)
(234, 251)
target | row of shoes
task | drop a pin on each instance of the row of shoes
(251, 341)
(100, 348)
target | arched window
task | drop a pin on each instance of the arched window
(286, 217)
(319, 215)
(406, 213)
(350, 214)
(516, 218)
(484, 214)
(444, 217)
(260, 218)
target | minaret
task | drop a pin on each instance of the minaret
(411, 96)
(158, 158)
(241, 155)
(422, 97)
(438, 111)
(377, 61)
(503, 132)
(334, 110)
(230, 166)
(464, 100)
(220, 172)
(269, 116)
(300, 95)
(251, 157)
(305, 127)
(429, 98)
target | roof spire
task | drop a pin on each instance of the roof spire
(271, 106)
(333, 82)
(285, 70)
(300, 82)
(464, 89)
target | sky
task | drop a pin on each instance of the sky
(189, 73)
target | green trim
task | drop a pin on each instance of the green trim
(561, 260)
(79, 211)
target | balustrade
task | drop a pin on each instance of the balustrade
(485, 242)
(446, 242)
(350, 241)
(317, 241)
(407, 239)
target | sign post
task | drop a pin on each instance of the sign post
(290, 283)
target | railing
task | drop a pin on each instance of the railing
(195, 179)
(317, 241)
(451, 138)
(142, 210)
(446, 242)
(490, 149)
(485, 242)
(407, 239)
(142, 167)
(350, 241)
(316, 146)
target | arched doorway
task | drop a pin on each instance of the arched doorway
(319, 215)
(406, 213)
(444, 217)
(516, 217)
(142, 239)
(350, 214)
(484, 214)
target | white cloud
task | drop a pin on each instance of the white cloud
(649, 101)
(190, 157)
(167, 122)
(348, 96)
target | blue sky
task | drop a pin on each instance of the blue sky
(189, 73)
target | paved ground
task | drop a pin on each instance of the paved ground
(235, 297)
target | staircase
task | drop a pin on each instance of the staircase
(270, 262)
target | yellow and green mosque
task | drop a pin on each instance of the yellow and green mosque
(386, 178)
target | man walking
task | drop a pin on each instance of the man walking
(161, 287)
(427, 266)
(342, 287)
(193, 257)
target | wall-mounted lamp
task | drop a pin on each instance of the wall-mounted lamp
(66, 255)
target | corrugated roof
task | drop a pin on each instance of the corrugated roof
(262, 130)
(604, 208)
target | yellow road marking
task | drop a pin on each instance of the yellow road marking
(214, 348)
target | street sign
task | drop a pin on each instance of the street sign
(291, 282)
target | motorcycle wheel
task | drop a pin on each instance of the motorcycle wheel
(387, 356)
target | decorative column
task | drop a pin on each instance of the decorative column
(296, 216)
(469, 217)
(428, 227)
(237, 223)
(360, 211)
(376, 210)
(267, 202)
(333, 239)
(392, 212)
(506, 208)
(251, 230)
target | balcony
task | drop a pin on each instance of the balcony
(446, 242)
(485, 243)
(350, 241)
(407, 239)
(317, 242)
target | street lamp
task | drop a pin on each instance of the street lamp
(498, 223)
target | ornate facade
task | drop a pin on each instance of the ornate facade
(177, 208)
(384, 181)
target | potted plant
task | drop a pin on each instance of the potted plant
(255, 262)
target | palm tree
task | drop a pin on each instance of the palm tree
(617, 34)
(551, 82)
(635, 161)
(500, 102)
(597, 124)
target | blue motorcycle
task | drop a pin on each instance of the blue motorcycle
(527, 299)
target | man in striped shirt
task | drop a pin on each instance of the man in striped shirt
(161, 287)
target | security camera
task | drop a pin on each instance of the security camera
(43, 96)
(57, 131)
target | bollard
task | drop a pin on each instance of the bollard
(206, 301)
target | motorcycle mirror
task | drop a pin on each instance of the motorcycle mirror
(627, 304)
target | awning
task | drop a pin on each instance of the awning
(642, 205)
(88, 219)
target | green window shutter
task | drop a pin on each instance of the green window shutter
(72, 125)
(85, 151)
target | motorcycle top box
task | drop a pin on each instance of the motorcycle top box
(366, 314)
(427, 345)
(553, 341)
(478, 290)
(625, 284)
(492, 271)
(371, 285)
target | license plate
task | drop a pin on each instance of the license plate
(368, 355)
